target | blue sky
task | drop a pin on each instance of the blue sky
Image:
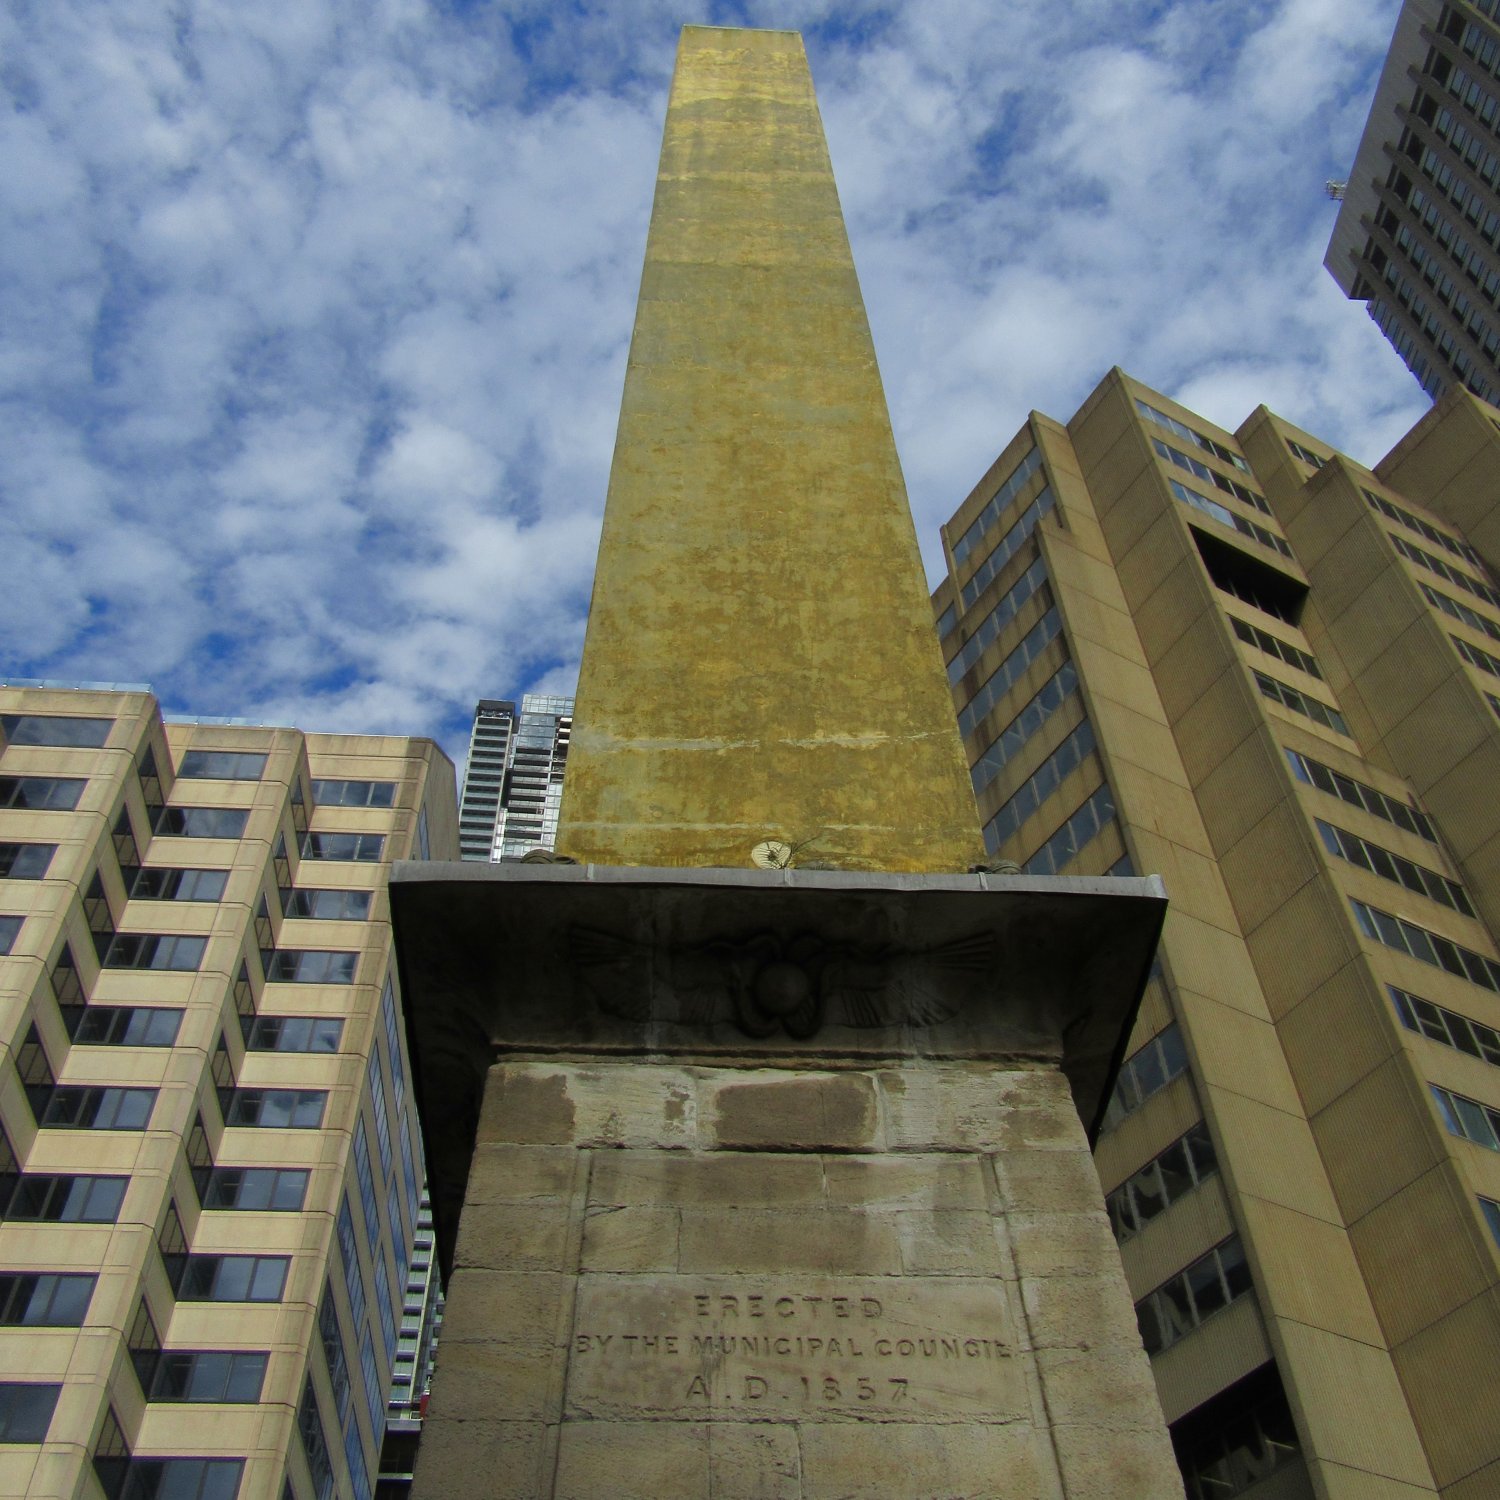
(314, 313)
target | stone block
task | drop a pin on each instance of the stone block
(526, 1105)
(513, 1237)
(720, 1179)
(949, 1242)
(1079, 1312)
(677, 1461)
(1063, 1244)
(814, 1112)
(630, 1239)
(957, 1462)
(941, 1180)
(1047, 1181)
(1098, 1464)
(483, 1458)
(974, 1107)
(1108, 1388)
(521, 1174)
(474, 1382)
(833, 1240)
(505, 1306)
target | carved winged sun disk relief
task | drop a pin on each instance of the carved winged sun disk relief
(765, 982)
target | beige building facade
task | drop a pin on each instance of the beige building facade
(1245, 662)
(211, 1161)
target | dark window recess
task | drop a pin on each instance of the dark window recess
(221, 765)
(98, 1109)
(178, 885)
(315, 1443)
(111, 1456)
(127, 850)
(123, 1025)
(233, 1278)
(144, 1344)
(26, 1411)
(297, 1109)
(1195, 1293)
(311, 966)
(179, 1479)
(363, 847)
(202, 822)
(222, 1069)
(35, 1071)
(260, 1189)
(1237, 1438)
(354, 793)
(66, 1199)
(294, 1034)
(25, 861)
(48, 1299)
(1250, 580)
(99, 915)
(200, 1155)
(151, 788)
(326, 906)
(55, 729)
(1145, 1072)
(146, 950)
(10, 930)
(208, 1375)
(1161, 1182)
(42, 793)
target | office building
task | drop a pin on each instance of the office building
(513, 784)
(1245, 662)
(211, 1159)
(1417, 238)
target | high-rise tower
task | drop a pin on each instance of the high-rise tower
(513, 784)
(1417, 238)
(1273, 675)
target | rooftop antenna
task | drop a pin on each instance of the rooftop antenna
(1335, 189)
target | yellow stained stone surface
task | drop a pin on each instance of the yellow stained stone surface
(760, 660)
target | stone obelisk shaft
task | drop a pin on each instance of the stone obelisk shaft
(760, 660)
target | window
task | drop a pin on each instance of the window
(1306, 455)
(62, 730)
(208, 1375)
(1005, 676)
(42, 793)
(202, 822)
(49, 1299)
(123, 1025)
(1161, 1182)
(1007, 547)
(1301, 703)
(98, 1108)
(26, 1411)
(1446, 1026)
(1040, 785)
(946, 621)
(234, 1278)
(1249, 579)
(1358, 794)
(1219, 451)
(181, 1479)
(364, 847)
(385, 1307)
(144, 1344)
(1145, 1072)
(295, 1034)
(1444, 570)
(1345, 845)
(376, 1084)
(10, 930)
(333, 1354)
(296, 1109)
(1263, 640)
(326, 906)
(1457, 610)
(25, 861)
(315, 1443)
(1425, 946)
(1468, 1118)
(1491, 1211)
(1049, 697)
(311, 966)
(1422, 528)
(222, 765)
(146, 950)
(1212, 476)
(1006, 608)
(179, 885)
(1180, 1304)
(273, 1189)
(67, 1199)
(1226, 517)
(1477, 658)
(367, 1198)
(354, 793)
(997, 503)
(1078, 830)
(1242, 1447)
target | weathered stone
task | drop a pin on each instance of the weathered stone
(649, 1460)
(707, 1180)
(948, 1242)
(513, 1237)
(485, 1458)
(978, 1462)
(478, 1381)
(1079, 1312)
(514, 1307)
(626, 1238)
(839, 1240)
(1061, 1244)
(519, 1174)
(526, 1105)
(1100, 1464)
(814, 1112)
(1045, 1181)
(938, 1181)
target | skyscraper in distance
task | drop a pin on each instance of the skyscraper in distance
(209, 1160)
(1417, 238)
(513, 782)
(1248, 663)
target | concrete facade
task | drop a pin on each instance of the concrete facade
(199, 1017)
(1270, 675)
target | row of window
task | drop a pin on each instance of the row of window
(1301, 703)
(1007, 547)
(1444, 570)
(26, 1411)
(1468, 257)
(1227, 517)
(1219, 451)
(1145, 1072)
(1180, 1304)
(1426, 947)
(63, 730)
(1446, 1026)
(1007, 607)
(1029, 796)
(1475, 657)
(1080, 828)
(1273, 645)
(1009, 672)
(1460, 611)
(1306, 455)
(1161, 1182)
(122, 1476)
(1404, 517)
(1468, 1118)
(1052, 694)
(1360, 794)
(995, 506)
(25, 861)
(1211, 476)
(1390, 866)
(42, 793)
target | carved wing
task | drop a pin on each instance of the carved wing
(615, 970)
(711, 981)
(887, 987)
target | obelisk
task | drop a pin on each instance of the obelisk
(755, 1124)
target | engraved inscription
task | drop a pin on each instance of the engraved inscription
(934, 1350)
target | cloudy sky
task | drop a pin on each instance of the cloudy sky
(314, 313)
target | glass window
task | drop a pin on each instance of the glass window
(354, 793)
(179, 885)
(64, 730)
(25, 861)
(202, 822)
(98, 1108)
(42, 793)
(67, 1199)
(363, 847)
(277, 1189)
(124, 1025)
(297, 1109)
(182, 1479)
(234, 1278)
(10, 930)
(326, 906)
(145, 950)
(208, 1375)
(222, 765)
(45, 1299)
(295, 1034)
(26, 1411)
(311, 966)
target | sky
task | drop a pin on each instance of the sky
(314, 313)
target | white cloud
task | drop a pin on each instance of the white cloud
(313, 315)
